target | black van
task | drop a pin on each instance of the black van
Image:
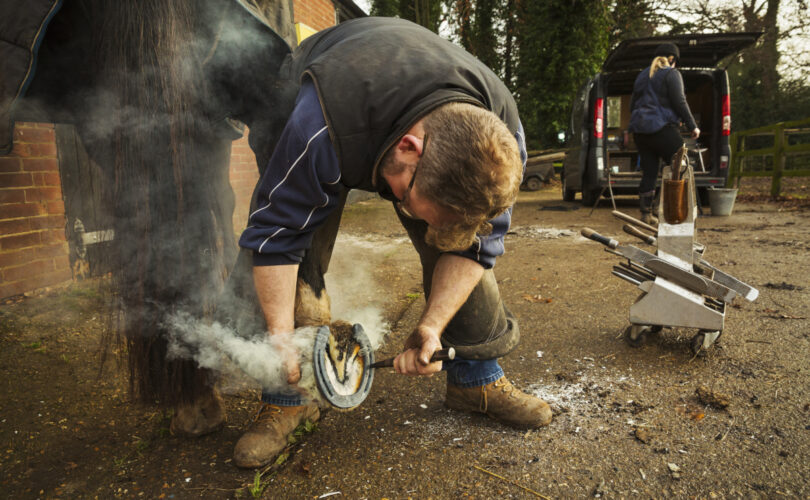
(601, 150)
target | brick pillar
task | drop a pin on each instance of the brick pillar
(33, 248)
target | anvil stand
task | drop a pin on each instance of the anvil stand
(679, 288)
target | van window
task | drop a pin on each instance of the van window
(614, 112)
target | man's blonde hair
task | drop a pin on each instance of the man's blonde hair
(470, 166)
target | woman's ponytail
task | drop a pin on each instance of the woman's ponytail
(658, 63)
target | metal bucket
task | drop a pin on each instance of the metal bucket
(721, 201)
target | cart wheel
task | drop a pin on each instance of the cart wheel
(656, 328)
(697, 343)
(635, 335)
(534, 184)
(703, 340)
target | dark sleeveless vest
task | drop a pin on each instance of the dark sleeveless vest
(377, 76)
(652, 110)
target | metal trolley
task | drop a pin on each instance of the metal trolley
(679, 288)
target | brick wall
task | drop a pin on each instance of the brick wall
(33, 249)
(243, 175)
(317, 14)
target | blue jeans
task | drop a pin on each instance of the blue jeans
(460, 372)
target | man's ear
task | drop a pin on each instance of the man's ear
(410, 143)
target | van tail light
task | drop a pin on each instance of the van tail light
(726, 115)
(598, 118)
(723, 162)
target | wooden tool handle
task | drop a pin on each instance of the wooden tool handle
(440, 355)
(593, 235)
(635, 222)
(677, 163)
(646, 238)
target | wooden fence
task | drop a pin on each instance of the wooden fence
(788, 152)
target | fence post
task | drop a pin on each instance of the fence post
(778, 160)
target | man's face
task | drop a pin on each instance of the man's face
(412, 203)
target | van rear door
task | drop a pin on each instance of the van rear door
(697, 50)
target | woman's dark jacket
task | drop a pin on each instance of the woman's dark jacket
(659, 101)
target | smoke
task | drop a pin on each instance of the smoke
(353, 290)
(219, 347)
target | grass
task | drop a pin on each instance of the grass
(36, 346)
(163, 421)
(257, 488)
(141, 445)
(307, 427)
(89, 291)
(83, 296)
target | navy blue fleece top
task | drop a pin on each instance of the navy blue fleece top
(301, 186)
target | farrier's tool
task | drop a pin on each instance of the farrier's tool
(646, 238)
(673, 192)
(635, 222)
(344, 364)
(440, 355)
(680, 289)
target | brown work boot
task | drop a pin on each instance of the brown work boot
(203, 416)
(268, 433)
(501, 401)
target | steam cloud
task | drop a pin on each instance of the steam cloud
(220, 348)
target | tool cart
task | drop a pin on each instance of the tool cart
(679, 288)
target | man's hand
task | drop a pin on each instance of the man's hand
(696, 133)
(419, 347)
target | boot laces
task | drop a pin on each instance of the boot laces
(267, 413)
(504, 385)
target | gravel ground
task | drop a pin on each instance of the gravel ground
(652, 421)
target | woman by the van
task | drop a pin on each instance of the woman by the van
(658, 106)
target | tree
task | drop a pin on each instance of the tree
(560, 44)
(427, 13)
(476, 26)
(544, 51)
(509, 14)
(632, 19)
(760, 83)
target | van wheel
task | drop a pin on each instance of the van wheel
(533, 184)
(567, 194)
